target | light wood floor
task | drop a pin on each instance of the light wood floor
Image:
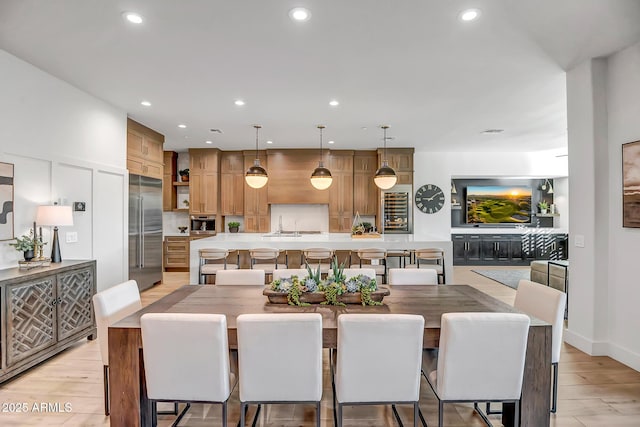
(594, 391)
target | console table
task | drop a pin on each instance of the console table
(43, 311)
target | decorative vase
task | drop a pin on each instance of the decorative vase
(28, 255)
(184, 178)
(233, 229)
(543, 211)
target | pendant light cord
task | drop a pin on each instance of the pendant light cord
(321, 162)
(384, 129)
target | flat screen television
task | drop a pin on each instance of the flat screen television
(498, 204)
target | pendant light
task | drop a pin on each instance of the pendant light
(321, 176)
(385, 177)
(256, 176)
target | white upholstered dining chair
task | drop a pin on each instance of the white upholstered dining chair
(110, 306)
(412, 276)
(275, 368)
(395, 339)
(186, 359)
(472, 366)
(547, 304)
(240, 277)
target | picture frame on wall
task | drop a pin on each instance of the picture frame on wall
(6, 201)
(631, 184)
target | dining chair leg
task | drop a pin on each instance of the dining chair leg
(317, 414)
(224, 414)
(554, 398)
(243, 408)
(154, 413)
(105, 373)
(516, 415)
(415, 414)
(397, 415)
(440, 414)
(339, 418)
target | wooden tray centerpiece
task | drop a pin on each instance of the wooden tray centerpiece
(335, 290)
(362, 230)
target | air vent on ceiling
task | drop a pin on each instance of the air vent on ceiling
(493, 131)
(215, 130)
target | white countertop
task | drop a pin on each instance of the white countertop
(514, 230)
(176, 234)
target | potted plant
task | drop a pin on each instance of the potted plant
(233, 226)
(26, 244)
(368, 227)
(543, 207)
(184, 175)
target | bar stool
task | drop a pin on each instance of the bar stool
(374, 258)
(401, 254)
(315, 257)
(260, 256)
(214, 259)
(430, 258)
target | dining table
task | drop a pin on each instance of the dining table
(129, 403)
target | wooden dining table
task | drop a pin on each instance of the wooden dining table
(129, 404)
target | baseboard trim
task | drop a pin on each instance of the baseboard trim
(592, 348)
(600, 348)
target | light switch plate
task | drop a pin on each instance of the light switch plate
(579, 241)
(71, 237)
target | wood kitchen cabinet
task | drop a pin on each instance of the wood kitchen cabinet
(256, 203)
(232, 183)
(169, 176)
(204, 193)
(176, 253)
(365, 192)
(144, 150)
(341, 191)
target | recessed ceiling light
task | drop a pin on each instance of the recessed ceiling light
(239, 102)
(331, 142)
(132, 17)
(488, 131)
(299, 14)
(363, 128)
(269, 142)
(334, 103)
(208, 142)
(469, 15)
(146, 103)
(181, 126)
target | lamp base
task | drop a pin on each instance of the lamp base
(55, 247)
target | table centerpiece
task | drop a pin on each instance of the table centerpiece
(336, 289)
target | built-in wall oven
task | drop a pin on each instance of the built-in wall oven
(397, 209)
(203, 225)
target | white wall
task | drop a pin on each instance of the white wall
(603, 107)
(438, 168)
(67, 146)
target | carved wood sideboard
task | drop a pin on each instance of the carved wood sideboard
(43, 311)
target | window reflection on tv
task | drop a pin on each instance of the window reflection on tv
(498, 204)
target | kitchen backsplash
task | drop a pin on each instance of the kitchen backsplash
(300, 217)
(172, 220)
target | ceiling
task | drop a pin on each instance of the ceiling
(412, 64)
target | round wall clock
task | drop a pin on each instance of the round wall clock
(429, 198)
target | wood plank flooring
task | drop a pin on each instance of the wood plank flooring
(594, 391)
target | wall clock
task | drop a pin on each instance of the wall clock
(429, 198)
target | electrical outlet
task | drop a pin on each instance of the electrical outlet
(71, 237)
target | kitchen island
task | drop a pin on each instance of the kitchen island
(335, 241)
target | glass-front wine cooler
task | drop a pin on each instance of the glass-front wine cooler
(397, 209)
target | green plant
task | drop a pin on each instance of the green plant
(233, 224)
(26, 242)
(315, 275)
(366, 225)
(337, 271)
(184, 172)
(357, 229)
(543, 205)
(331, 292)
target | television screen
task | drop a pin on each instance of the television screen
(498, 204)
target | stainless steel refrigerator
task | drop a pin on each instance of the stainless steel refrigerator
(145, 230)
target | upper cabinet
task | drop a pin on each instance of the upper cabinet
(144, 150)
(204, 194)
(341, 191)
(401, 160)
(365, 192)
(231, 183)
(289, 177)
(256, 204)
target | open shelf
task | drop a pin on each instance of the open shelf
(181, 184)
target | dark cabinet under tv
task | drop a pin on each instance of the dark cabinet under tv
(508, 249)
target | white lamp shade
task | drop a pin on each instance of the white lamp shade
(256, 181)
(321, 183)
(55, 215)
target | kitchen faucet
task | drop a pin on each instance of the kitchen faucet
(280, 224)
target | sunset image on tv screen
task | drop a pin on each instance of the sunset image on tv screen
(497, 204)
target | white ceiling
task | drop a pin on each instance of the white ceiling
(411, 64)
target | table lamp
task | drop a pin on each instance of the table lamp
(55, 216)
